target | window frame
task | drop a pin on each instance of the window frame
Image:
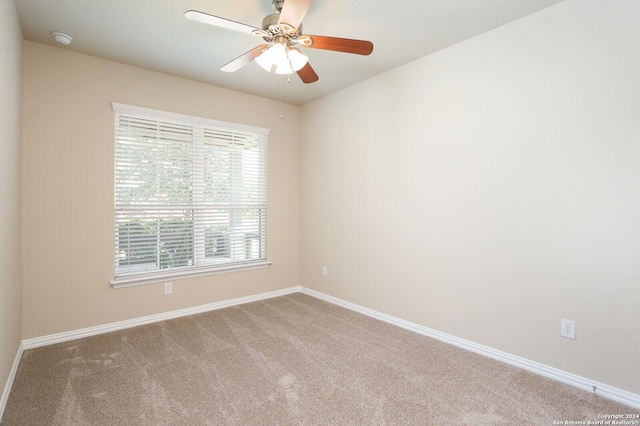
(160, 275)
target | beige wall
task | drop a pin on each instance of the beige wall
(67, 185)
(10, 246)
(492, 189)
(10, 124)
(486, 191)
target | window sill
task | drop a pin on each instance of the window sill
(128, 281)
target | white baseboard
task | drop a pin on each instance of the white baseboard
(12, 374)
(121, 325)
(571, 379)
(602, 389)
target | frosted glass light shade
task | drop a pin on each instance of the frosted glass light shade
(266, 59)
(297, 59)
(284, 68)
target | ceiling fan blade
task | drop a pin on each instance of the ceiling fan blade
(293, 12)
(307, 74)
(217, 21)
(347, 45)
(245, 59)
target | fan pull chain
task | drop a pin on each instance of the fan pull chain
(281, 91)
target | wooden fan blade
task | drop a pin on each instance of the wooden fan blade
(307, 74)
(293, 12)
(347, 45)
(217, 21)
(245, 59)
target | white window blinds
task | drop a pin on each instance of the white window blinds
(190, 195)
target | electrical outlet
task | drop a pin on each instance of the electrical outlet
(325, 271)
(168, 288)
(568, 329)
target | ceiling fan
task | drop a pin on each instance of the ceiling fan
(282, 32)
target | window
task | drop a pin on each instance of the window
(190, 196)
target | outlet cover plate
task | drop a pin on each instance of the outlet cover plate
(568, 329)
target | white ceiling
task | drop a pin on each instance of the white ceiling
(154, 34)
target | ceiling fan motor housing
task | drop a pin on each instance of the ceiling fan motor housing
(277, 5)
(270, 23)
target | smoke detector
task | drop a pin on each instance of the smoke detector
(62, 38)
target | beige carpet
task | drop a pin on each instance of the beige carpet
(292, 360)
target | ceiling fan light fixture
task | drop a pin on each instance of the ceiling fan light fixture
(284, 68)
(297, 59)
(278, 54)
(274, 55)
(286, 60)
(265, 60)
